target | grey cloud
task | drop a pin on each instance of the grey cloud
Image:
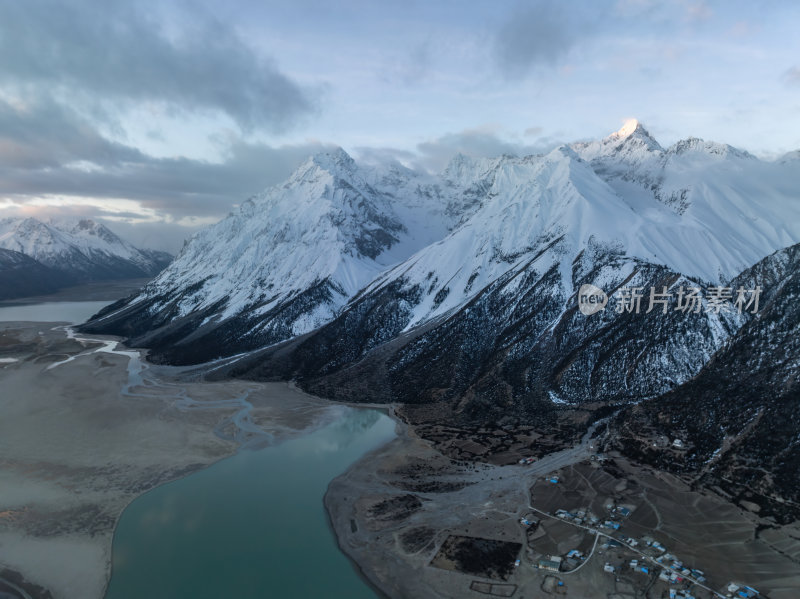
(177, 187)
(434, 155)
(478, 143)
(121, 51)
(533, 132)
(46, 149)
(792, 76)
(545, 33)
(57, 152)
(663, 17)
(541, 33)
(417, 64)
(367, 155)
(167, 237)
(44, 134)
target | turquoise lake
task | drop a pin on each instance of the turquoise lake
(251, 526)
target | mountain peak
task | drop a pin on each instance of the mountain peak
(459, 163)
(629, 128)
(630, 144)
(88, 227)
(563, 151)
(333, 159)
(634, 130)
(87, 223)
(709, 148)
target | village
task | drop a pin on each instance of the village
(578, 523)
(603, 529)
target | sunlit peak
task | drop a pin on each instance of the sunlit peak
(628, 128)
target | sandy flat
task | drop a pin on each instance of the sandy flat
(74, 451)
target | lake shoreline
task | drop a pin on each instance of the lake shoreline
(331, 499)
(397, 508)
(45, 524)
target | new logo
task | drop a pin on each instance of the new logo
(591, 299)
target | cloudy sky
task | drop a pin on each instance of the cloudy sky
(161, 117)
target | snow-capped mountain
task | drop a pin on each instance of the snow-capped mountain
(81, 251)
(745, 208)
(551, 208)
(462, 287)
(290, 258)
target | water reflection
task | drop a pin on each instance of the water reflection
(251, 526)
(345, 431)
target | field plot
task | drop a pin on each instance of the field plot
(482, 557)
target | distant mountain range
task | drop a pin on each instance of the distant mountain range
(39, 257)
(457, 295)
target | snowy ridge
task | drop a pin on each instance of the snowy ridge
(331, 225)
(745, 208)
(532, 202)
(300, 254)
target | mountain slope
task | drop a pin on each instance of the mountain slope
(22, 276)
(519, 349)
(738, 418)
